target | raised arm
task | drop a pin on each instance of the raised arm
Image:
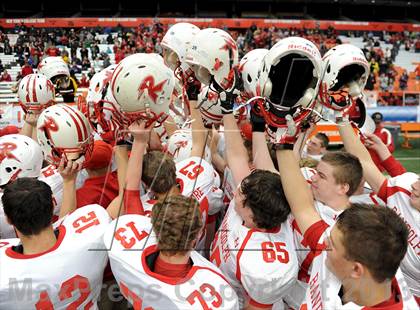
(260, 154)
(354, 146)
(68, 171)
(199, 132)
(391, 165)
(296, 189)
(237, 156)
(121, 158)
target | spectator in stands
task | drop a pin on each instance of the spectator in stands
(5, 77)
(404, 80)
(76, 68)
(1, 67)
(119, 55)
(370, 82)
(418, 72)
(85, 64)
(383, 82)
(94, 50)
(52, 51)
(84, 82)
(384, 134)
(84, 53)
(91, 73)
(26, 69)
(417, 46)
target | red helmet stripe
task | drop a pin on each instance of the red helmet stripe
(115, 75)
(85, 130)
(28, 99)
(79, 130)
(34, 97)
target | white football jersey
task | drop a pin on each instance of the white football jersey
(324, 288)
(396, 193)
(133, 245)
(259, 265)
(52, 177)
(68, 276)
(228, 186)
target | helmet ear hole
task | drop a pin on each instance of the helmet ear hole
(267, 88)
(203, 75)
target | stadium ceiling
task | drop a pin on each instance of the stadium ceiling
(374, 10)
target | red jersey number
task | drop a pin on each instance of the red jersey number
(205, 288)
(273, 251)
(86, 221)
(190, 171)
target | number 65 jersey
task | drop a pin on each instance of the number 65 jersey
(68, 276)
(261, 265)
(134, 247)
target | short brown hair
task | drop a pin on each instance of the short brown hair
(176, 222)
(347, 169)
(159, 172)
(376, 237)
(264, 195)
(324, 139)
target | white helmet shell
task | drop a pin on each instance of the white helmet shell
(346, 66)
(249, 67)
(63, 130)
(36, 92)
(53, 67)
(143, 89)
(20, 156)
(210, 108)
(177, 40)
(213, 54)
(180, 145)
(290, 73)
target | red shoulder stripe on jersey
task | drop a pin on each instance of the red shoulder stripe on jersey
(61, 233)
(372, 197)
(259, 305)
(313, 234)
(385, 192)
(241, 250)
(295, 226)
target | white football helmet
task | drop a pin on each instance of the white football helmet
(289, 80)
(54, 68)
(175, 43)
(180, 145)
(210, 109)
(249, 67)
(346, 73)
(101, 104)
(63, 130)
(36, 92)
(20, 156)
(213, 56)
(142, 89)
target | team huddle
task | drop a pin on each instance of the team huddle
(179, 182)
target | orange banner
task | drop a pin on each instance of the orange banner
(206, 22)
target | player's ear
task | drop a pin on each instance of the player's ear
(358, 270)
(344, 188)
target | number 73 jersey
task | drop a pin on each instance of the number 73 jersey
(134, 248)
(68, 276)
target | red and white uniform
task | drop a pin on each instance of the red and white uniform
(261, 266)
(228, 186)
(52, 177)
(68, 276)
(324, 288)
(197, 178)
(133, 246)
(396, 193)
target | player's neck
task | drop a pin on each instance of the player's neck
(174, 191)
(36, 244)
(338, 203)
(367, 292)
(178, 259)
